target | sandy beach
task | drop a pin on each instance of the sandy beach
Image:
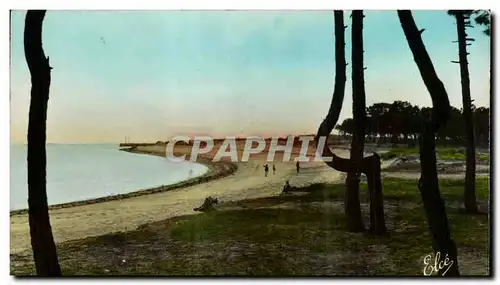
(244, 180)
(126, 214)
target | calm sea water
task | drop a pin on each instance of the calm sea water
(81, 172)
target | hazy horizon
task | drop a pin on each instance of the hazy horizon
(153, 75)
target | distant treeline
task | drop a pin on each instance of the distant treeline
(401, 122)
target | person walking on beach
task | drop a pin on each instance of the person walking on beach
(297, 165)
(274, 168)
(266, 170)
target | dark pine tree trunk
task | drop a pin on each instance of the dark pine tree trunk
(369, 165)
(42, 241)
(352, 203)
(428, 183)
(340, 72)
(470, 171)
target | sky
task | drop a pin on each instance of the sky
(153, 75)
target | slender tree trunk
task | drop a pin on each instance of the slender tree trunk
(369, 165)
(340, 72)
(490, 131)
(352, 203)
(42, 241)
(428, 183)
(470, 172)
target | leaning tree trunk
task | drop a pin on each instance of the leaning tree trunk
(352, 203)
(368, 165)
(42, 241)
(428, 183)
(470, 171)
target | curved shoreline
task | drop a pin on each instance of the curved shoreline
(119, 215)
(215, 170)
(247, 182)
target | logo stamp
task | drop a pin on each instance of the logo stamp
(435, 265)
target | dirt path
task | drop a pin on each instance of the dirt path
(127, 214)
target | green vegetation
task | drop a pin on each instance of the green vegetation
(284, 235)
(447, 153)
(396, 152)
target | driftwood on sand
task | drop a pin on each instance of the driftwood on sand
(208, 205)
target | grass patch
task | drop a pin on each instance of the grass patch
(451, 189)
(308, 237)
(450, 153)
(220, 225)
(483, 157)
(393, 188)
(396, 152)
(444, 153)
